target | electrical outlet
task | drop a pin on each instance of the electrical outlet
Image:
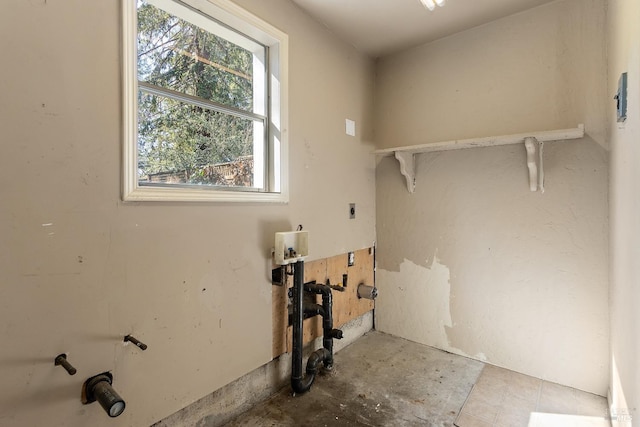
(621, 98)
(352, 211)
(351, 259)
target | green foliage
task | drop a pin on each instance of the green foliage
(175, 136)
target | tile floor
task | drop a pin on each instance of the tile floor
(503, 398)
(381, 380)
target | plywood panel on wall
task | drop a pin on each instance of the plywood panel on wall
(279, 308)
(346, 305)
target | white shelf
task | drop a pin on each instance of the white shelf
(406, 155)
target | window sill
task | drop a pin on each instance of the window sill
(167, 194)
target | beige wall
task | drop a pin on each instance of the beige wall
(79, 268)
(624, 56)
(531, 71)
(473, 262)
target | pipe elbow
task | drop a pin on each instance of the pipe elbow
(317, 288)
(302, 385)
(313, 309)
(317, 357)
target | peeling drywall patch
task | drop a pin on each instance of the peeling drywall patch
(414, 303)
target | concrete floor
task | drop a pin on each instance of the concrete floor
(381, 380)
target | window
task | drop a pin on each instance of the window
(204, 103)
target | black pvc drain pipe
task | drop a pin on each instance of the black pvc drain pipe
(299, 382)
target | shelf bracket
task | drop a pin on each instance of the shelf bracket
(533, 142)
(534, 163)
(530, 146)
(407, 162)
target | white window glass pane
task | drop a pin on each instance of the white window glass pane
(177, 54)
(205, 114)
(184, 144)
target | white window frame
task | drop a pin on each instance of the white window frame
(232, 15)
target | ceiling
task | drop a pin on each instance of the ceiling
(382, 27)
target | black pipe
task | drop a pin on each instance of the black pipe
(99, 387)
(300, 383)
(311, 310)
(140, 345)
(317, 357)
(61, 360)
(328, 333)
(297, 381)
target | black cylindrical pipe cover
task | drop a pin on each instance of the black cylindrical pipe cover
(336, 333)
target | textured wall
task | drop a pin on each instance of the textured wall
(473, 262)
(542, 69)
(624, 56)
(80, 269)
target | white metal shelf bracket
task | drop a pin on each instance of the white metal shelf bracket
(533, 143)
